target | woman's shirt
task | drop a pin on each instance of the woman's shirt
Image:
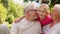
(54, 30)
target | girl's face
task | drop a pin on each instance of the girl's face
(42, 12)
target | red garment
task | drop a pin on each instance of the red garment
(42, 33)
(46, 21)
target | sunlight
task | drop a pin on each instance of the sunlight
(18, 1)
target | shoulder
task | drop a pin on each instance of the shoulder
(57, 27)
(17, 20)
(3, 25)
(22, 21)
(56, 30)
(49, 18)
(38, 23)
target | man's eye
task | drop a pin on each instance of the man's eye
(39, 11)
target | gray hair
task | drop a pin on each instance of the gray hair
(30, 6)
(58, 8)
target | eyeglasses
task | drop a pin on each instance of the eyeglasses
(32, 10)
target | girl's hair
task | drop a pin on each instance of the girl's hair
(46, 7)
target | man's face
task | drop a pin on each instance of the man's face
(32, 14)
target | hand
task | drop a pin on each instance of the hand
(18, 19)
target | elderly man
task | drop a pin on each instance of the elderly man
(29, 24)
(55, 25)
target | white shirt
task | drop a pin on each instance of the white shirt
(26, 27)
(44, 28)
(54, 30)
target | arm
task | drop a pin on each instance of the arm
(18, 19)
(57, 31)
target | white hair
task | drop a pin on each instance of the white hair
(58, 9)
(29, 6)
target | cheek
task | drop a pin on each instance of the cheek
(32, 14)
(39, 13)
(43, 14)
(54, 15)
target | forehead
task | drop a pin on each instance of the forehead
(42, 8)
(55, 9)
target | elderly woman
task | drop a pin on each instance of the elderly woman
(3, 28)
(55, 25)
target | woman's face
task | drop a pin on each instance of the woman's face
(42, 13)
(54, 14)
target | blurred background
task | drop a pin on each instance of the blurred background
(12, 9)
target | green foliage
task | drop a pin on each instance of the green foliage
(25, 0)
(9, 11)
(10, 18)
(14, 11)
(3, 13)
(5, 3)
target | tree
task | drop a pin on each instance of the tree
(14, 11)
(5, 3)
(53, 2)
(3, 13)
(58, 2)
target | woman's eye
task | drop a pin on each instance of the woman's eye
(42, 11)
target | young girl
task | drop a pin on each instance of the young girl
(44, 17)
